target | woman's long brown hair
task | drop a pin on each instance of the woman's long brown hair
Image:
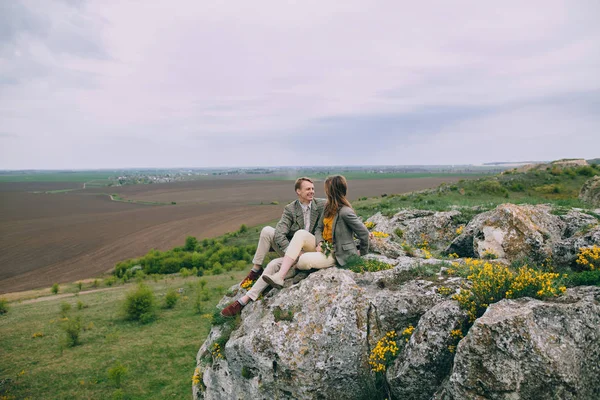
(335, 189)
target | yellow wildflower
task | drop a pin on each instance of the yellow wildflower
(378, 234)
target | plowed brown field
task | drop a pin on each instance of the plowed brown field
(63, 237)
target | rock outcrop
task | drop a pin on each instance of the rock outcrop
(321, 345)
(590, 191)
(312, 339)
(415, 226)
(530, 349)
(511, 232)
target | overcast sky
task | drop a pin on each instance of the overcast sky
(101, 84)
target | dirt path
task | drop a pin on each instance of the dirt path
(65, 295)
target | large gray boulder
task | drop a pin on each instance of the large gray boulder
(531, 349)
(512, 232)
(427, 359)
(414, 226)
(565, 252)
(386, 247)
(590, 191)
(576, 221)
(320, 348)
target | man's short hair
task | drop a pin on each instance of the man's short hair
(299, 181)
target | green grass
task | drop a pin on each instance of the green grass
(159, 357)
(57, 176)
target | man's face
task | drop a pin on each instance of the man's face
(306, 192)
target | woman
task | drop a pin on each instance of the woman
(333, 240)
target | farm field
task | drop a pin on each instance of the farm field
(64, 236)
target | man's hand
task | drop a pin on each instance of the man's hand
(371, 235)
(319, 248)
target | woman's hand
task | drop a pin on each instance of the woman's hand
(319, 247)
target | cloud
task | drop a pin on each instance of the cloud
(272, 83)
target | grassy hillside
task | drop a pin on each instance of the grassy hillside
(558, 186)
(159, 357)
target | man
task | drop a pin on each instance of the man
(302, 213)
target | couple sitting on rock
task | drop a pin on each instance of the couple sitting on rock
(311, 234)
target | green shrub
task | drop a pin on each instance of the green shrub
(54, 288)
(198, 303)
(216, 269)
(491, 187)
(359, 264)
(72, 329)
(96, 283)
(146, 318)
(585, 171)
(184, 272)
(408, 249)
(3, 306)
(171, 298)
(79, 285)
(243, 228)
(116, 373)
(111, 280)
(516, 187)
(190, 243)
(140, 275)
(81, 305)
(140, 304)
(585, 278)
(64, 308)
(554, 188)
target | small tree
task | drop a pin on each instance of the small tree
(202, 282)
(198, 303)
(190, 243)
(116, 373)
(64, 308)
(72, 329)
(54, 288)
(171, 298)
(140, 304)
(3, 305)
